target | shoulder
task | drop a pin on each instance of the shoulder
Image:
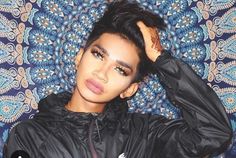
(29, 132)
(24, 127)
(27, 135)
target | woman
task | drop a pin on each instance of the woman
(93, 121)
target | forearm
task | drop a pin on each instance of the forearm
(202, 109)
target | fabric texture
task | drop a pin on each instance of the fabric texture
(39, 39)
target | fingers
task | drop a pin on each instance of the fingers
(151, 37)
(146, 32)
(156, 44)
(142, 26)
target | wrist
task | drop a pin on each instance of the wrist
(154, 54)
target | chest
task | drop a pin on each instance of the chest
(90, 143)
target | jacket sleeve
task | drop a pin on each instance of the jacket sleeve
(204, 128)
(15, 145)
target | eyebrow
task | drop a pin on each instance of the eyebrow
(122, 63)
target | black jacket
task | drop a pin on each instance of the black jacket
(204, 130)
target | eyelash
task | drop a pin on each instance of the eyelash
(97, 54)
(121, 71)
(100, 56)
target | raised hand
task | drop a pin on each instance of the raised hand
(153, 46)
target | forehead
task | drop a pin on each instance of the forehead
(118, 47)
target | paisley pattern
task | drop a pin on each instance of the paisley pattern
(40, 38)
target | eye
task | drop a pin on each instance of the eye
(121, 71)
(97, 54)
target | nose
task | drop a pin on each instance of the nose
(101, 73)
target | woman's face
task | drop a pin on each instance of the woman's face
(107, 68)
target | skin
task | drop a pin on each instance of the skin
(107, 69)
(153, 46)
(111, 65)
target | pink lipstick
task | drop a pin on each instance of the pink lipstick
(94, 86)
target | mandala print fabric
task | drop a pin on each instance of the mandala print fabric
(40, 38)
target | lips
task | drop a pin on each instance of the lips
(94, 86)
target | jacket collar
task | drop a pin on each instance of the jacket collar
(53, 108)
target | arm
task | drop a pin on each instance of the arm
(16, 144)
(13, 144)
(205, 128)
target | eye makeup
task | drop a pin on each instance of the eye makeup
(121, 67)
(121, 71)
(97, 54)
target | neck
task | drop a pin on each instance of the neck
(79, 104)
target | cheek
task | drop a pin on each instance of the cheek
(86, 65)
(118, 79)
(118, 83)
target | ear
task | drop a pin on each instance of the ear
(131, 90)
(79, 57)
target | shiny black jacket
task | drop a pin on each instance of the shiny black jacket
(204, 129)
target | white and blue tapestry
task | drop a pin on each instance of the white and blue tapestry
(40, 38)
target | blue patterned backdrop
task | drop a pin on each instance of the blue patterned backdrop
(40, 38)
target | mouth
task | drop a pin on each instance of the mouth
(94, 86)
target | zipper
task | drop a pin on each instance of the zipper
(91, 145)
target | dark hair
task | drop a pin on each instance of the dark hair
(121, 18)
